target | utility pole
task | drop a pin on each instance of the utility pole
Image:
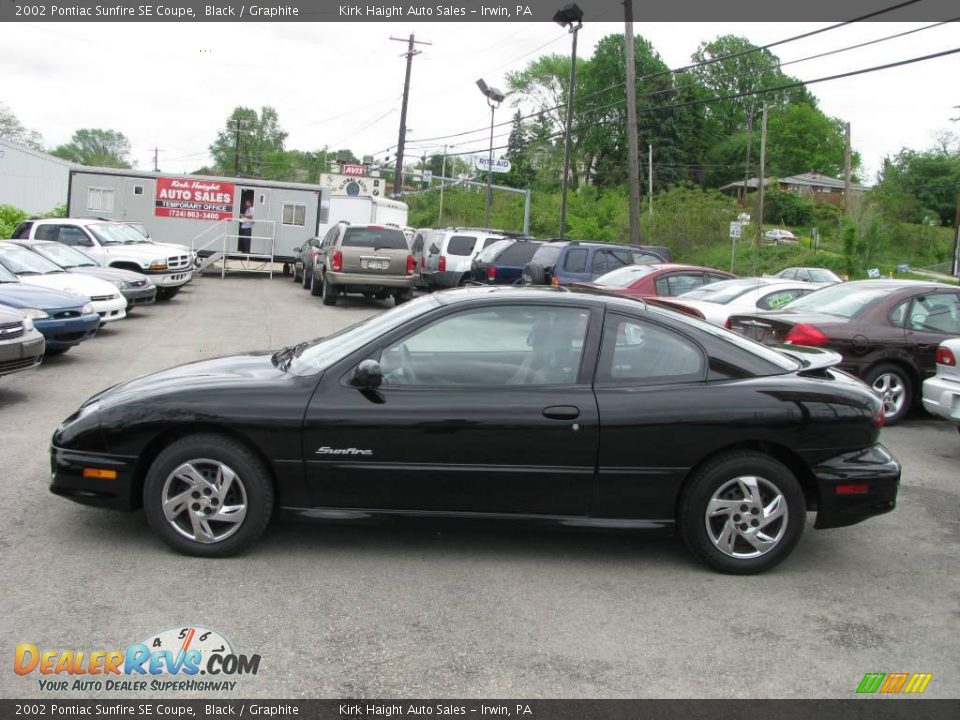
(423, 171)
(236, 148)
(846, 168)
(633, 149)
(650, 178)
(409, 54)
(763, 161)
(156, 166)
(746, 167)
(443, 174)
(956, 239)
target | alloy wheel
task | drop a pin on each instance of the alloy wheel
(746, 517)
(892, 392)
(204, 500)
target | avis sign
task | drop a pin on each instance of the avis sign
(500, 165)
(194, 199)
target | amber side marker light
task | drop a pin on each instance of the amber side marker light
(99, 473)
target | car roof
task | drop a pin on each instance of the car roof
(73, 221)
(897, 284)
(538, 293)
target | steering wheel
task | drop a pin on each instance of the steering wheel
(406, 362)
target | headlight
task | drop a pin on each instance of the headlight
(27, 324)
(87, 309)
(160, 264)
(34, 313)
(121, 284)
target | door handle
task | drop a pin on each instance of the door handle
(923, 347)
(561, 412)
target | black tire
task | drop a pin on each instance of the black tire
(286, 269)
(252, 487)
(166, 293)
(53, 352)
(316, 286)
(382, 295)
(307, 279)
(533, 274)
(897, 398)
(402, 296)
(329, 294)
(717, 481)
(296, 278)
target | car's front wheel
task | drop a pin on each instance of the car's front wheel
(307, 281)
(208, 495)
(742, 513)
(895, 389)
(165, 293)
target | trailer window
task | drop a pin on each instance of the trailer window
(100, 199)
(138, 189)
(294, 214)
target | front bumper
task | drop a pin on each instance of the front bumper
(21, 354)
(366, 281)
(67, 479)
(140, 296)
(110, 310)
(65, 333)
(942, 397)
(171, 279)
(874, 469)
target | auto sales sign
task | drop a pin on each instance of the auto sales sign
(194, 199)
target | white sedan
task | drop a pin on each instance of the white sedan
(34, 269)
(718, 301)
(779, 235)
(941, 393)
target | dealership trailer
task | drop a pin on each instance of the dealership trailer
(202, 212)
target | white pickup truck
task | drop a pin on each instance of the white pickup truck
(169, 267)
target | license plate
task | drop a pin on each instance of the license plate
(377, 264)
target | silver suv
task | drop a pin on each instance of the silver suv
(373, 260)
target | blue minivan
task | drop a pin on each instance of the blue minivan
(561, 262)
(64, 320)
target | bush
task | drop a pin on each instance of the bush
(781, 207)
(10, 217)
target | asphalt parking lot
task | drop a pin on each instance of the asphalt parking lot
(444, 609)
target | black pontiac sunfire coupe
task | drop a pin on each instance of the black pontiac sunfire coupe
(495, 402)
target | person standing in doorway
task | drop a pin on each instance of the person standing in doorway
(246, 227)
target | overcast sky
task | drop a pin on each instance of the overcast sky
(172, 85)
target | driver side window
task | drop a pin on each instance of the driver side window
(494, 347)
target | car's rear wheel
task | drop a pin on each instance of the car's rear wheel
(296, 277)
(893, 384)
(307, 278)
(329, 294)
(402, 296)
(316, 286)
(742, 513)
(208, 495)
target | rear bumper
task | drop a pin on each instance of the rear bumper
(367, 281)
(873, 468)
(942, 397)
(67, 479)
(445, 279)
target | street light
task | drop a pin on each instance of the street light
(569, 16)
(494, 98)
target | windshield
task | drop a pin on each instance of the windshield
(64, 255)
(21, 261)
(621, 277)
(722, 292)
(840, 300)
(490, 251)
(823, 275)
(6, 276)
(319, 354)
(376, 238)
(110, 234)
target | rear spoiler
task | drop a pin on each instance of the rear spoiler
(811, 359)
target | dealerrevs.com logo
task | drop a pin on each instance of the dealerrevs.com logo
(168, 661)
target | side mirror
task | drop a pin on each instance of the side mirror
(367, 375)
(298, 249)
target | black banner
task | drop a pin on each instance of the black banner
(470, 10)
(862, 709)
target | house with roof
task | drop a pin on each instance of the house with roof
(819, 188)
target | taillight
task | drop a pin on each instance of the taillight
(411, 264)
(554, 281)
(879, 419)
(945, 357)
(442, 263)
(853, 489)
(728, 324)
(491, 273)
(336, 262)
(806, 335)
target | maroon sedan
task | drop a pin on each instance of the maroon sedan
(886, 330)
(656, 280)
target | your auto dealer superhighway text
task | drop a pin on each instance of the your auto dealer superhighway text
(168, 11)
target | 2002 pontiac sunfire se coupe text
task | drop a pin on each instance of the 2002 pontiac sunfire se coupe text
(500, 403)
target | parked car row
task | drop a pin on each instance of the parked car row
(62, 279)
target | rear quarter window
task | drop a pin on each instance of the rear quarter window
(461, 245)
(519, 253)
(576, 260)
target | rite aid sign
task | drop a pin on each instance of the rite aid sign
(500, 165)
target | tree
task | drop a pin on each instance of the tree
(801, 138)
(921, 186)
(242, 147)
(518, 146)
(13, 130)
(96, 147)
